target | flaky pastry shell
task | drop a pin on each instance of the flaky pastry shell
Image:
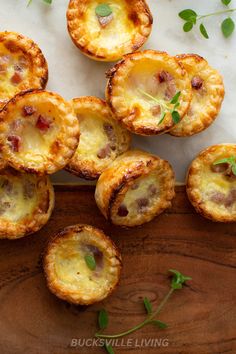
(102, 138)
(135, 188)
(139, 82)
(22, 66)
(67, 273)
(27, 202)
(211, 188)
(109, 38)
(208, 94)
(39, 132)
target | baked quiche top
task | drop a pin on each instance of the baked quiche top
(106, 30)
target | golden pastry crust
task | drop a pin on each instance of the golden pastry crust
(208, 94)
(102, 138)
(135, 78)
(109, 38)
(22, 66)
(135, 188)
(67, 274)
(26, 204)
(211, 188)
(39, 132)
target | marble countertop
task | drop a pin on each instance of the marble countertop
(72, 75)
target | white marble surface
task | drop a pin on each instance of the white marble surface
(71, 74)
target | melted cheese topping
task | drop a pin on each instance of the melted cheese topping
(72, 271)
(7, 88)
(18, 204)
(119, 31)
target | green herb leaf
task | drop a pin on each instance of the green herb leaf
(187, 27)
(102, 319)
(109, 348)
(175, 117)
(226, 2)
(90, 261)
(48, 1)
(230, 160)
(203, 31)
(178, 279)
(188, 15)
(234, 169)
(227, 27)
(162, 117)
(148, 305)
(159, 324)
(103, 10)
(175, 98)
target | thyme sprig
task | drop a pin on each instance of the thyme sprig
(178, 280)
(165, 106)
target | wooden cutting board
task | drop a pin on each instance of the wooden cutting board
(201, 318)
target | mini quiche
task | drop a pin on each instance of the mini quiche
(22, 66)
(106, 30)
(135, 188)
(211, 183)
(26, 203)
(102, 138)
(39, 132)
(82, 265)
(145, 88)
(208, 94)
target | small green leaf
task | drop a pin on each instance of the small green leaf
(162, 117)
(175, 117)
(109, 348)
(234, 169)
(48, 1)
(175, 98)
(148, 305)
(176, 105)
(90, 261)
(203, 31)
(188, 15)
(187, 27)
(102, 319)
(227, 27)
(103, 10)
(226, 2)
(230, 160)
(178, 279)
(159, 324)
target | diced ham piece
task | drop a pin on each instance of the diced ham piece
(220, 168)
(142, 203)
(4, 61)
(104, 20)
(15, 142)
(4, 206)
(16, 78)
(152, 190)
(122, 211)
(43, 123)
(222, 199)
(109, 130)
(231, 198)
(156, 110)
(28, 189)
(134, 186)
(28, 111)
(104, 152)
(166, 77)
(197, 82)
(218, 198)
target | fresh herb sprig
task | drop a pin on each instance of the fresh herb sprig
(229, 160)
(177, 282)
(191, 19)
(49, 2)
(103, 10)
(165, 106)
(90, 261)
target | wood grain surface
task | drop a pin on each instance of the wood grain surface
(201, 318)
